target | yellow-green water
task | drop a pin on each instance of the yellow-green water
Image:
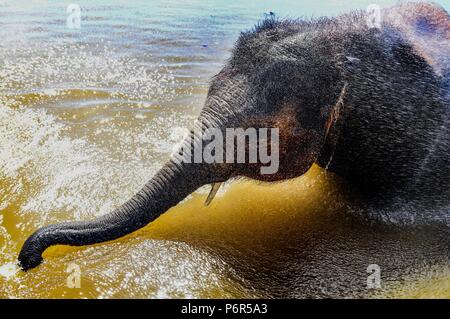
(87, 116)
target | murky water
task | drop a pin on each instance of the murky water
(88, 115)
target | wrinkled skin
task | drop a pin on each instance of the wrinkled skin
(370, 104)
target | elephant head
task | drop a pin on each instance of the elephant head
(270, 82)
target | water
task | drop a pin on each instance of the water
(88, 115)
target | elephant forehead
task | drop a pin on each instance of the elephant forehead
(289, 48)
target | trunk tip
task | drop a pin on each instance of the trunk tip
(30, 255)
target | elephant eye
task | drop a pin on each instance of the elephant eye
(299, 131)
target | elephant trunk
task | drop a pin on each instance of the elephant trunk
(169, 186)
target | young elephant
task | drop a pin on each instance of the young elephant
(370, 103)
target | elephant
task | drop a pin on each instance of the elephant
(367, 102)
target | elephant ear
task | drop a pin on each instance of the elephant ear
(427, 29)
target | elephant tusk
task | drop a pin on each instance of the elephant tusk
(214, 188)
